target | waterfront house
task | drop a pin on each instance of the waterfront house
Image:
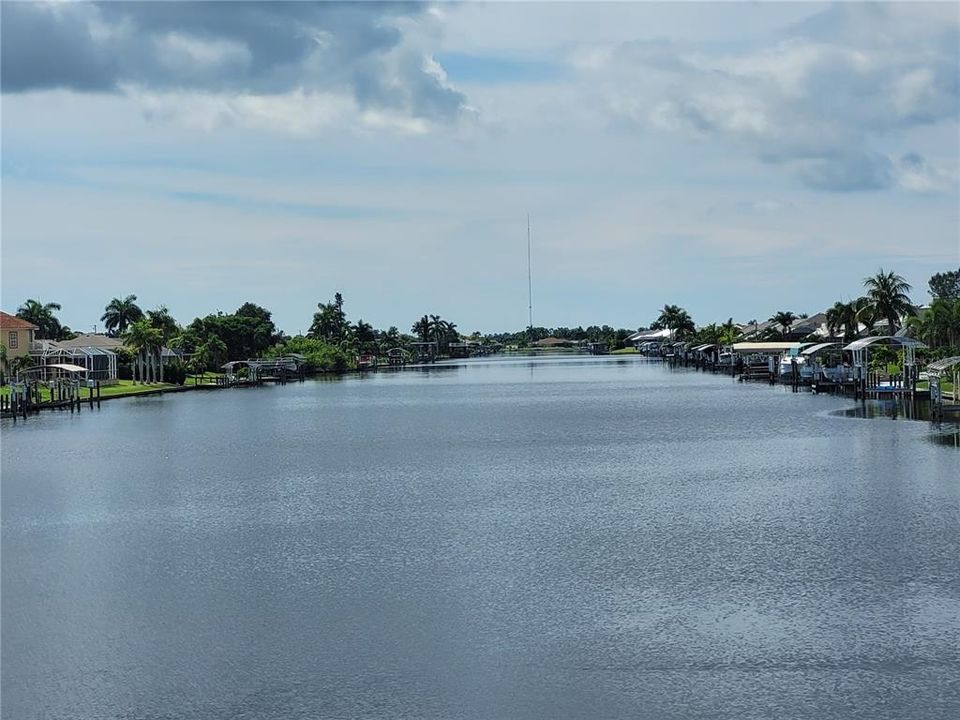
(16, 335)
(554, 342)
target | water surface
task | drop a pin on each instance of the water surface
(573, 538)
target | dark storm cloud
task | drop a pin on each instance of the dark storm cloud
(251, 47)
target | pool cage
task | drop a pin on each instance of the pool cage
(100, 363)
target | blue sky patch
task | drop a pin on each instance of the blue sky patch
(487, 69)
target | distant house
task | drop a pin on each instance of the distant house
(90, 340)
(16, 335)
(554, 342)
(648, 336)
(804, 327)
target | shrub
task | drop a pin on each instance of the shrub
(175, 372)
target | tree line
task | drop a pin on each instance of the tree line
(333, 341)
(886, 299)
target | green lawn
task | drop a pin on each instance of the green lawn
(123, 387)
(624, 351)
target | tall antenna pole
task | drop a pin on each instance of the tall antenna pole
(529, 276)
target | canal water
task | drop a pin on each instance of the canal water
(571, 538)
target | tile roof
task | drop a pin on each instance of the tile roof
(12, 322)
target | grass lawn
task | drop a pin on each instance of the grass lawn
(625, 351)
(124, 387)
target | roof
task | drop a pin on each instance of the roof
(91, 340)
(12, 322)
(886, 340)
(939, 366)
(649, 335)
(68, 367)
(814, 349)
(553, 341)
(746, 347)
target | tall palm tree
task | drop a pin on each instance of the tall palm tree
(120, 314)
(421, 328)
(887, 294)
(784, 318)
(676, 320)
(363, 335)
(939, 324)
(145, 341)
(41, 315)
(729, 332)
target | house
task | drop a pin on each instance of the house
(16, 335)
(97, 354)
(554, 342)
(92, 341)
(648, 336)
(815, 325)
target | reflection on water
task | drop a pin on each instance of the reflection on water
(893, 408)
(526, 539)
(946, 434)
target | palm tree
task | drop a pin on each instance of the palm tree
(119, 314)
(887, 294)
(41, 315)
(363, 335)
(163, 321)
(938, 324)
(843, 315)
(21, 362)
(784, 318)
(675, 319)
(145, 341)
(729, 332)
(421, 328)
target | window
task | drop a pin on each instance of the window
(14, 339)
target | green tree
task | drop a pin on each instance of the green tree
(422, 328)
(163, 321)
(364, 336)
(21, 363)
(729, 332)
(42, 315)
(843, 315)
(676, 320)
(939, 324)
(888, 298)
(212, 354)
(784, 318)
(120, 313)
(945, 285)
(145, 341)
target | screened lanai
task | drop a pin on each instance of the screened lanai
(100, 363)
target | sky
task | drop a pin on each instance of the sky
(735, 159)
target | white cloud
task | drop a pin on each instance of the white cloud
(822, 105)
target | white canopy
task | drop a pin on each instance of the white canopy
(814, 349)
(885, 339)
(765, 347)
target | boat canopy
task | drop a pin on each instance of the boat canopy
(941, 366)
(819, 347)
(66, 367)
(765, 347)
(906, 342)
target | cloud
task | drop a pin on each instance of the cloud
(358, 52)
(824, 98)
